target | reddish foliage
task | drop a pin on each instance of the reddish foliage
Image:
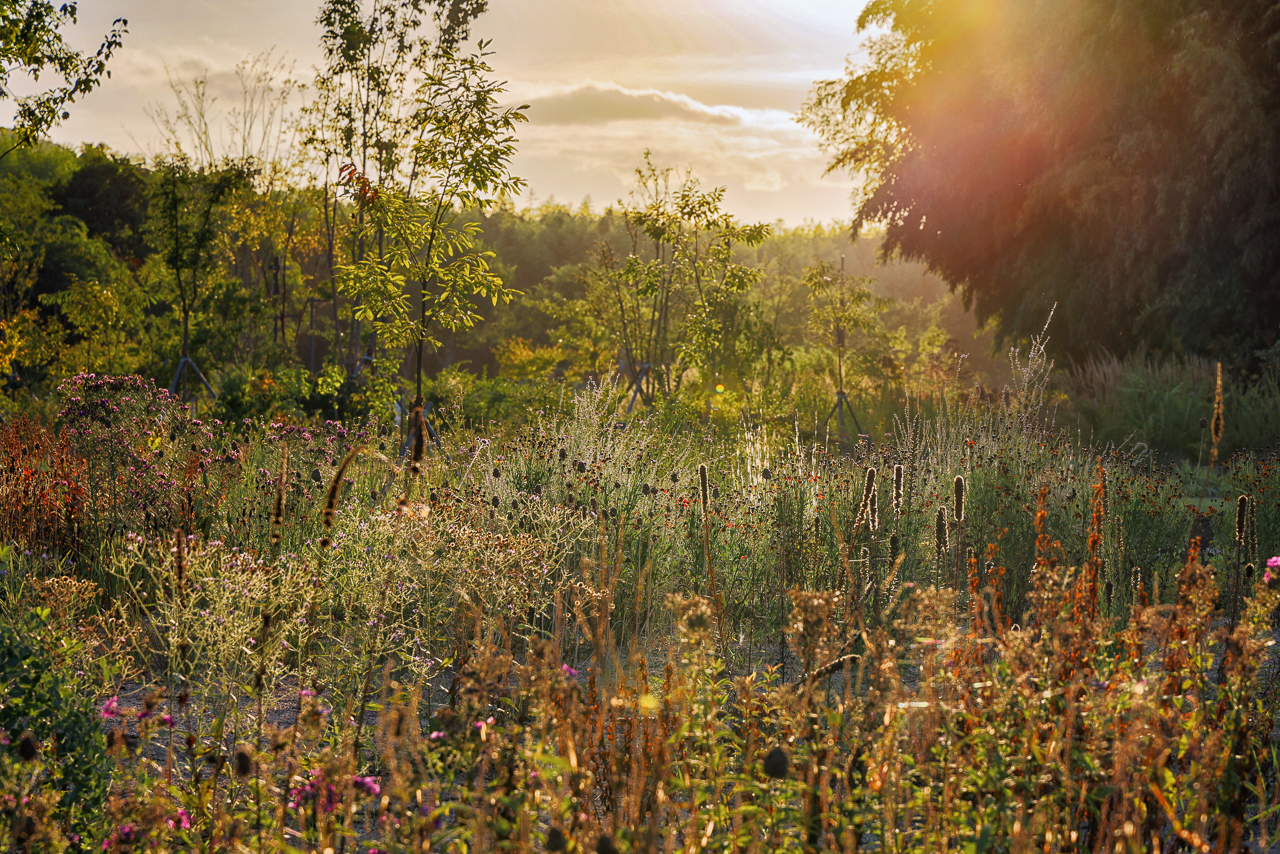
(41, 491)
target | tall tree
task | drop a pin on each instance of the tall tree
(376, 53)
(1115, 157)
(427, 250)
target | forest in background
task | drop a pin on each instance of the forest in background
(269, 261)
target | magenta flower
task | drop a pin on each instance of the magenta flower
(111, 708)
(182, 820)
(368, 784)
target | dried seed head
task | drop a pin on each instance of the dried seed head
(940, 535)
(958, 502)
(331, 497)
(27, 747)
(702, 486)
(555, 839)
(776, 763)
(1219, 421)
(868, 488)
(604, 845)
(277, 512)
(419, 441)
(1242, 516)
(897, 490)
(242, 763)
(894, 545)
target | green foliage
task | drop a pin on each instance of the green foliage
(31, 42)
(677, 301)
(463, 154)
(1164, 407)
(189, 210)
(1110, 157)
(71, 761)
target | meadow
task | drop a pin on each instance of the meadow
(582, 631)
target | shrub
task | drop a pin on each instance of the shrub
(54, 746)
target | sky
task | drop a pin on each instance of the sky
(709, 85)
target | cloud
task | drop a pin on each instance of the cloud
(598, 103)
(770, 165)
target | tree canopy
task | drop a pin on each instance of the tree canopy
(1115, 157)
(32, 42)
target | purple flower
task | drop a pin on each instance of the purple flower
(125, 834)
(111, 708)
(182, 820)
(568, 670)
(368, 784)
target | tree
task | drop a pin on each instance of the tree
(31, 42)
(462, 161)
(678, 296)
(186, 207)
(1116, 158)
(377, 53)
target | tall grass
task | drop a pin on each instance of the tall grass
(597, 632)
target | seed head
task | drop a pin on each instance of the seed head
(958, 503)
(277, 513)
(555, 839)
(940, 535)
(242, 762)
(331, 497)
(419, 441)
(1219, 422)
(897, 490)
(27, 747)
(776, 763)
(1242, 516)
(702, 486)
(868, 489)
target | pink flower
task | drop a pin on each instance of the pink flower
(568, 670)
(111, 708)
(436, 736)
(1274, 562)
(368, 784)
(180, 821)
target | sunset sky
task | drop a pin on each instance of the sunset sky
(712, 84)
